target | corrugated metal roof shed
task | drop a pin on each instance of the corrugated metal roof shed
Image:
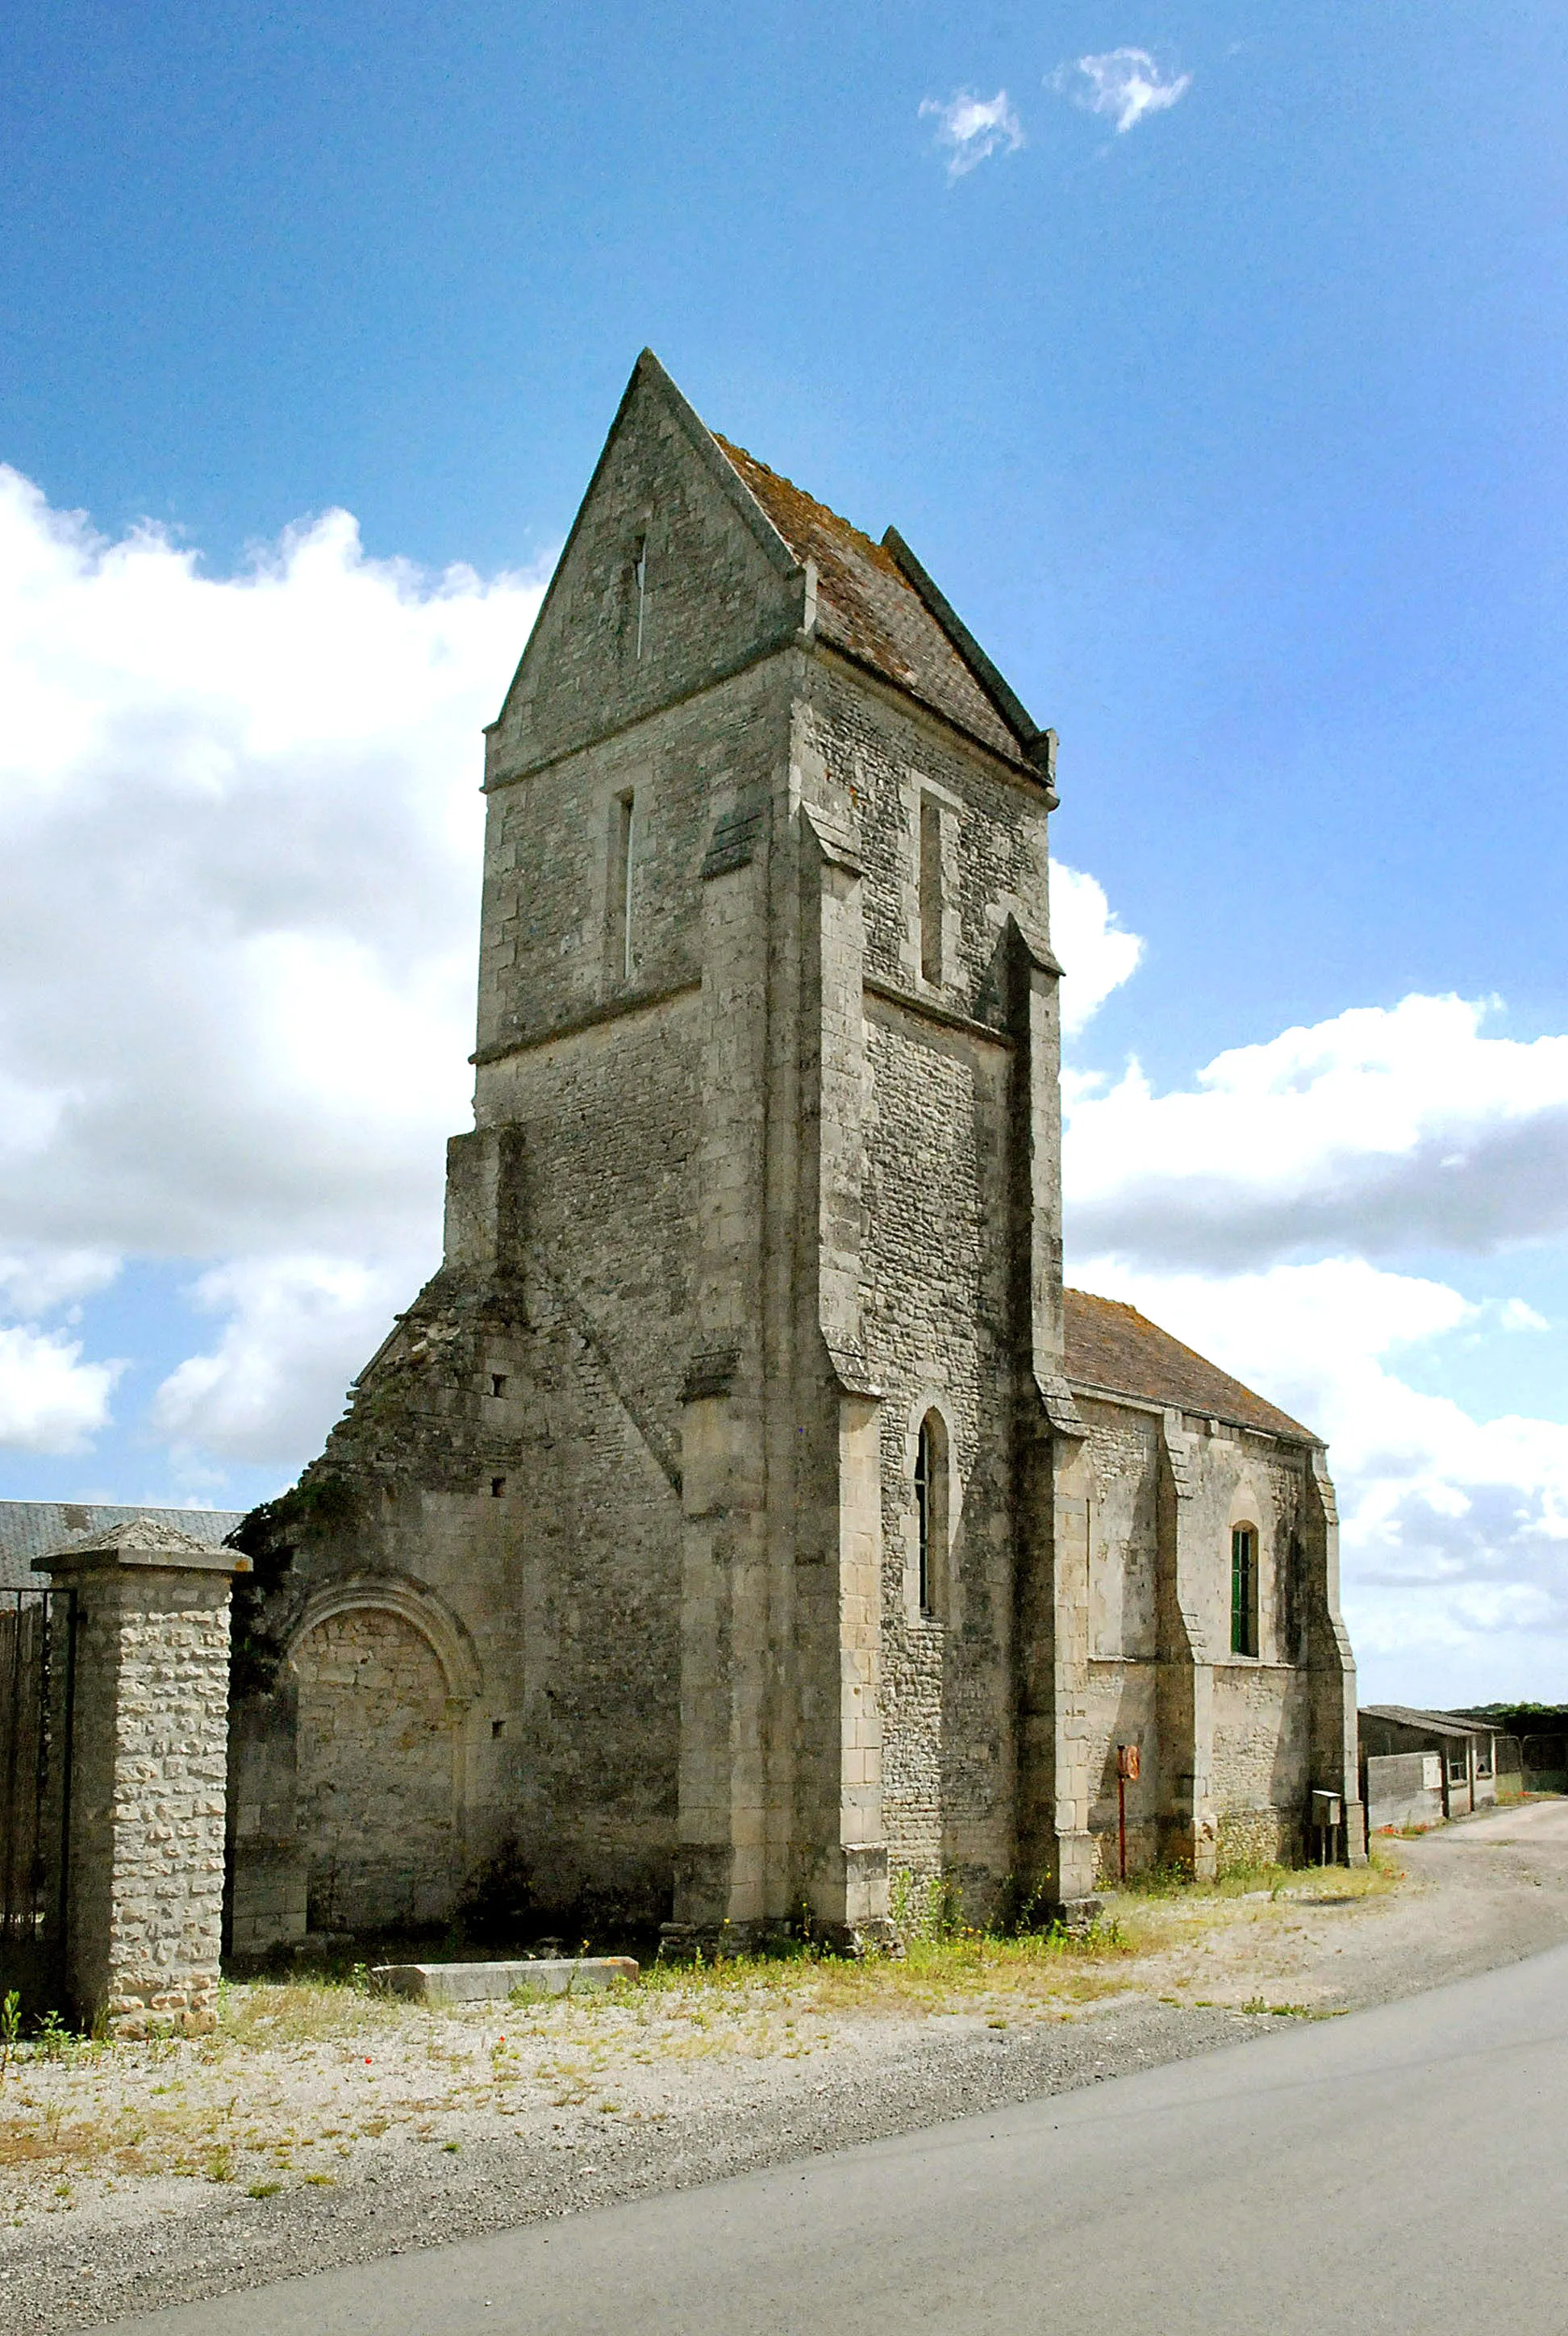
(1434, 1723)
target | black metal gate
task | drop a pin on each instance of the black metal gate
(37, 1708)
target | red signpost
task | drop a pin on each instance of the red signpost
(1126, 1774)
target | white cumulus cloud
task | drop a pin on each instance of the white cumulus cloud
(294, 1330)
(1381, 1129)
(50, 1400)
(1124, 84)
(972, 128)
(1097, 954)
(241, 830)
(41, 1282)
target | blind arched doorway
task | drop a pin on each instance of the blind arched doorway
(376, 1741)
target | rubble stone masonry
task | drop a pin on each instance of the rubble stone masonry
(144, 1886)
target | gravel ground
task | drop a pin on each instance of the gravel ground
(393, 2127)
(402, 2198)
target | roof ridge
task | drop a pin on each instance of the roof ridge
(1039, 746)
(876, 603)
(878, 552)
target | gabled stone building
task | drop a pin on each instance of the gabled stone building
(743, 1512)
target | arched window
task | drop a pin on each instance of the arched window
(932, 1512)
(1243, 1590)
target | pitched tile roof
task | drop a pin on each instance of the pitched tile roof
(867, 606)
(30, 1528)
(1114, 1346)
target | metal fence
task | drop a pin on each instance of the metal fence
(37, 1704)
(1546, 1763)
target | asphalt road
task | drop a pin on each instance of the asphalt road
(1399, 2169)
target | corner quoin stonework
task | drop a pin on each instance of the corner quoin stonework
(144, 1880)
(764, 1179)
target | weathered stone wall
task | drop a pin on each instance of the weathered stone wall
(883, 755)
(513, 1455)
(1263, 1760)
(1123, 1710)
(935, 1315)
(937, 1295)
(717, 589)
(378, 1792)
(1249, 1478)
(269, 1866)
(1124, 1533)
(1262, 1752)
(1256, 1754)
(553, 942)
(1122, 1451)
(510, 1460)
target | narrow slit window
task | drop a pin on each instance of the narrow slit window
(639, 577)
(498, 1383)
(497, 1488)
(930, 1512)
(1243, 1590)
(930, 889)
(623, 872)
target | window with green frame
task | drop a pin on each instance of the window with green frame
(1243, 1590)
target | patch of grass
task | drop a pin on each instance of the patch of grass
(262, 2013)
(23, 2141)
(1301, 1885)
(942, 1958)
(932, 1975)
(264, 2189)
(1294, 2010)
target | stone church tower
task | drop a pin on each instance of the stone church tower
(727, 1522)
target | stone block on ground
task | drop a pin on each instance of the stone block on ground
(495, 1983)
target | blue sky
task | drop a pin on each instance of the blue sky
(1235, 432)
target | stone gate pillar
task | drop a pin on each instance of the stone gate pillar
(144, 1896)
